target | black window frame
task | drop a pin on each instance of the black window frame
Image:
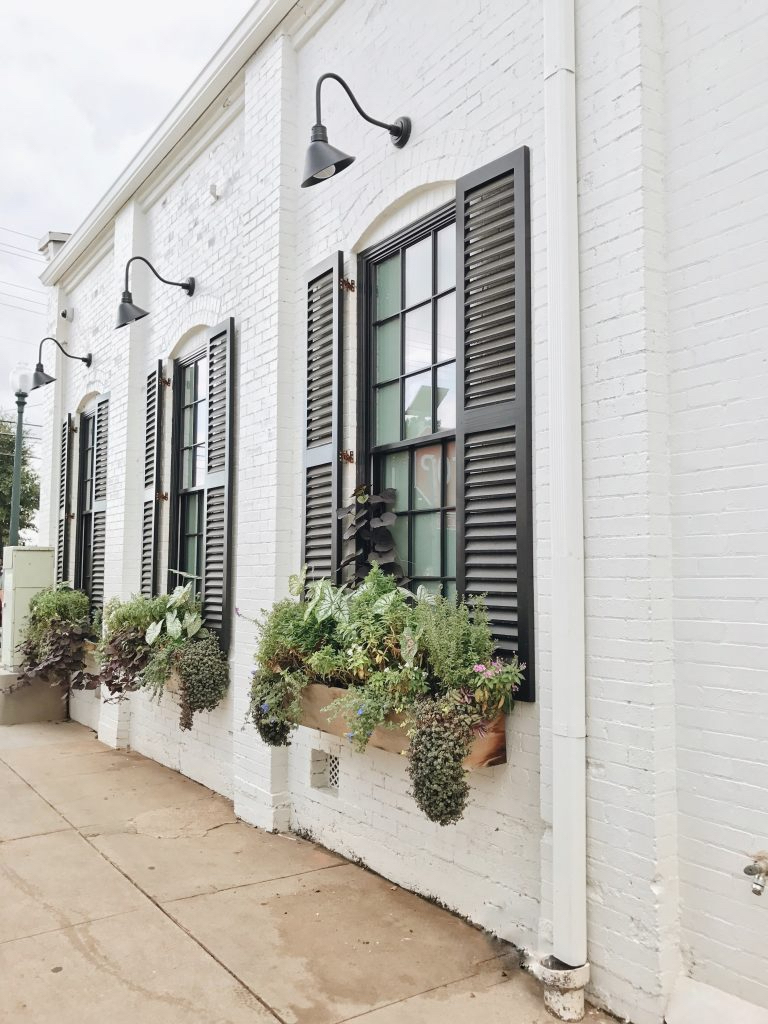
(368, 471)
(84, 541)
(177, 493)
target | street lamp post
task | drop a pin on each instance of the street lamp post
(13, 533)
(20, 382)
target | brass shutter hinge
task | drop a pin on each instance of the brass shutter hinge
(347, 284)
(346, 455)
(161, 496)
(165, 381)
(71, 515)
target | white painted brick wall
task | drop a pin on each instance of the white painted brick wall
(674, 423)
(717, 180)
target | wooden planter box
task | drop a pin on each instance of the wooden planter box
(487, 750)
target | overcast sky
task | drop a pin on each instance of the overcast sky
(83, 83)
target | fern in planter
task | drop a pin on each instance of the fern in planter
(55, 635)
(396, 656)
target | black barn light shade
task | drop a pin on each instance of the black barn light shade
(40, 378)
(323, 160)
(128, 312)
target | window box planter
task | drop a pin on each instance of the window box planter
(487, 750)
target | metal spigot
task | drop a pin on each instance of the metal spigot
(758, 871)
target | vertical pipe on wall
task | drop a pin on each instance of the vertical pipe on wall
(569, 922)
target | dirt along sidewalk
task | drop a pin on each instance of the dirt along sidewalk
(130, 893)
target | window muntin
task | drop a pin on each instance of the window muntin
(411, 354)
(191, 396)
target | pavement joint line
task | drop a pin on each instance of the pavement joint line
(159, 907)
(66, 927)
(39, 835)
(258, 881)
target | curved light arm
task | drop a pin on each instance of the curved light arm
(178, 284)
(393, 129)
(83, 359)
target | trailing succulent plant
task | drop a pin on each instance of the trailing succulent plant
(55, 635)
(204, 673)
(427, 660)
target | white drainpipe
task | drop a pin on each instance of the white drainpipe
(565, 972)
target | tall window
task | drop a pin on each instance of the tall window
(84, 567)
(191, 404)
(411, 359)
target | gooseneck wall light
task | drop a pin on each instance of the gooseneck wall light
(127, 311)
(323, 160)
(40, 377)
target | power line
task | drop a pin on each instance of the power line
(22, 233)
(22, 248)
(21, 255)
(23, 298)
(26, 288)
(35, 312)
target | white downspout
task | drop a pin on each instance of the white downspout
(564, 986)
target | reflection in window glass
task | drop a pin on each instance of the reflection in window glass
(450, 473)
(446, 397)
(446, 327)
(388, 287)
(388, 414)
(418, 338)
(388, 350)
(418, 404)
(427, 477)
(426, 555)
(418, 271)
(400, 534)
(446, 257)
(396, 476)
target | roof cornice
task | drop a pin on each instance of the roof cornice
(262, 19)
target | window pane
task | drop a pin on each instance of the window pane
(450, 474)
(396, 475)
(431, 586)
(446, 397)
(418, 405)
(188, 388)
(446, 327)
(388, 350)
(192, 513)
(188, 426)
(202, 378)
(449, 588)
(400, 533)
(189, 556)
(388, 414)
(450, 543)
(426, 544)
(427, 473)
(446, 258)
(187, 468)
(418, 338)
(200, 463)
(388, 287)
(201, 427)
(418, 272)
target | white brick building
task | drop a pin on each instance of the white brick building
(671, 176)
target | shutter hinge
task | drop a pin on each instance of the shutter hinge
(73, 429)
(165, 381)
(346, 455)
(347, 284)
(161, 495)
(71, 515)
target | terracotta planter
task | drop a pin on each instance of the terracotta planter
(487, 750)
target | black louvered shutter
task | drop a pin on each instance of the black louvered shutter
(62, 529)
(493, 432)
(150, 517)
(99, 535)
(218, 483)
(322, 468)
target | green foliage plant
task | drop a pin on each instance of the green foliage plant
(54, 638)
(423, 661)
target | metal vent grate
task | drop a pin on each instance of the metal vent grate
(333, 771)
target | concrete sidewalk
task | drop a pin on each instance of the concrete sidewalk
(132, 894)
